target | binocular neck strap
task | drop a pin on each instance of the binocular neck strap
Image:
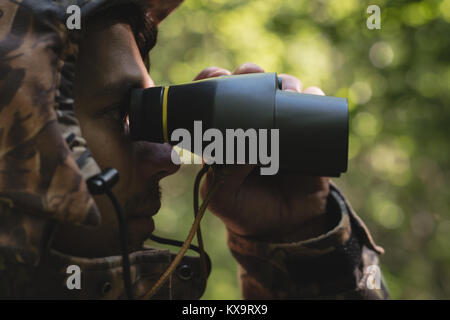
(199, 213)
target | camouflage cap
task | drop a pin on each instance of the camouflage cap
(44, 160)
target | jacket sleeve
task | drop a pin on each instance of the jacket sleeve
(340, 264)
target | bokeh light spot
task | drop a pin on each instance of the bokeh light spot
(381, 54)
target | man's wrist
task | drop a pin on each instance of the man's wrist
(309, 230)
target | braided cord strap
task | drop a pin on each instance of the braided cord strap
(195, 226)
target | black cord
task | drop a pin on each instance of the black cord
(123, 230)
(178, 243)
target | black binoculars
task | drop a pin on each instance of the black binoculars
(309, 132)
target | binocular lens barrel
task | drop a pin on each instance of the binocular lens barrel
(313, 129)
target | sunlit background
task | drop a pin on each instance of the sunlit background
(397, 81)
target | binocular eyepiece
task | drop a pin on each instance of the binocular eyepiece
(309, 132)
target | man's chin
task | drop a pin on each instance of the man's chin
(139, 210)
(140, 221)
(139, 230)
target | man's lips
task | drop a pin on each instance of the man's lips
(139, 212)
(144, 205)
(145, 212)
(140, 221)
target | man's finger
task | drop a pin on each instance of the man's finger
(212, 72)
(314, 90)
(290, 83)
(248, 68)
(233, 177)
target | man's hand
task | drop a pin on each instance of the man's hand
(276, 208)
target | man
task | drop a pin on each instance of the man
(293, 236)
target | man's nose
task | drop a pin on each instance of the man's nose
(154, 160)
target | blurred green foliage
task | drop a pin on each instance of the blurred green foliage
(397, 81)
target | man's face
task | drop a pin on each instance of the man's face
(108, 66)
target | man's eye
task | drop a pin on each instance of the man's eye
(118, 113)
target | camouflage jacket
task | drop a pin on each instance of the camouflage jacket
(44, 164)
